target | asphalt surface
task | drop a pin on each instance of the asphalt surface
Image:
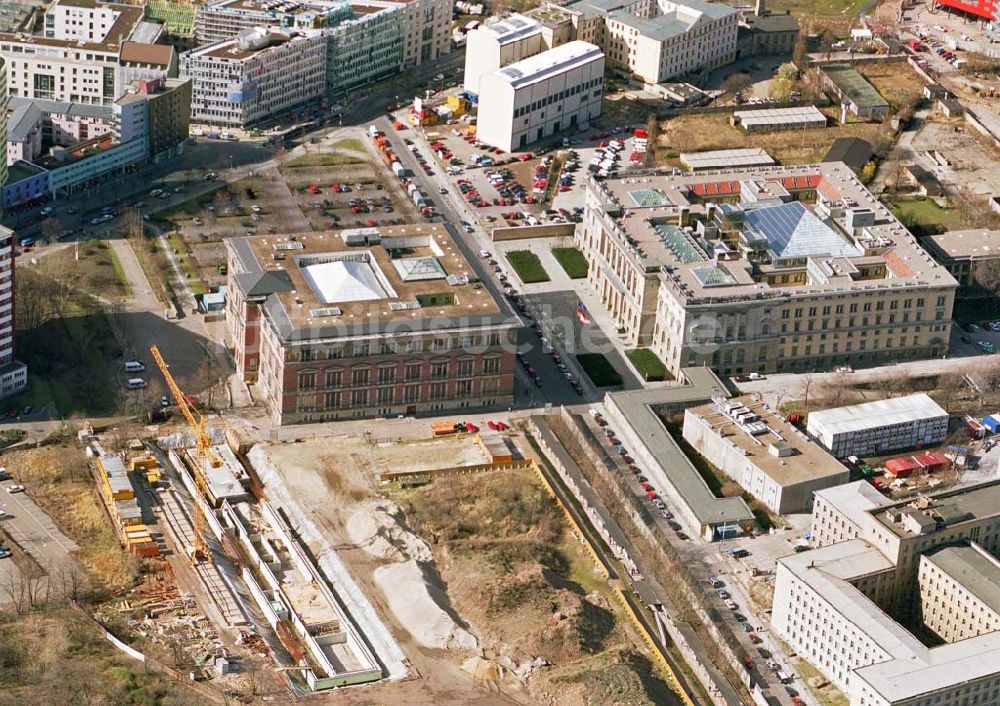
(34, 531)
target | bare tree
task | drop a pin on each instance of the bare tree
(51, 229)
(737, 82)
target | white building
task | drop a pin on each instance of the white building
(258, 75)
(879, 427)
(493, 46)
(851, 607)
(527, 100)
(88, 51)
(767, 456)
(657, 41)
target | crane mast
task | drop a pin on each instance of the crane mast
(204, 457)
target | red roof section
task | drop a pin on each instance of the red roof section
(898, 267)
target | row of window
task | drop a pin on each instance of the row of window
(387, 375)
(411, 394)
(561, 95)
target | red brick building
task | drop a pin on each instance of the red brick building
(366, 322)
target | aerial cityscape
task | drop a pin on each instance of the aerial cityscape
(437, 352)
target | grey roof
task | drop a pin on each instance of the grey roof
(261, 284)
(974, 569)
(638, 410)
(22, 119)
(771, 22)
(852, 151)
(64, 107)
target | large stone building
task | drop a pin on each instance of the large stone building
(776, 269)
(365, 323)
(884, 572)
(87, 52)
(970, 256)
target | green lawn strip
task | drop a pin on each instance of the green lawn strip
(649, 366)
(349, 143)
(599, 369)
(572, 260)
(187, 267)
(528, 266)
(119, 271)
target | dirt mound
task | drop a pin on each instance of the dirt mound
(410, 583)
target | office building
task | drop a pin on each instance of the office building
(841, 513)
(366, 322)
(86, 53)
(880, 427)
(369, 47)
(765, 33)
(219, 20)
(853, 608)
(36, 125)
(775, 268)
(26, 183)
(959, 592)
(541, 95)
(768, 457)
(157, 110)
(964, 252)
(258, 75)
(657, 41)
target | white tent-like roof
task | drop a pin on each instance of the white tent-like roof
(344, 281)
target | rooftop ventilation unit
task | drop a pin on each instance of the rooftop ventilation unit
(325, 312)
(404, 306)
(288, 246)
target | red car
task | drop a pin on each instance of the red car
(491, 425)
(502, 426)
(754, 638)
(471, 428)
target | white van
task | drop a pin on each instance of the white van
(136, 383)
(134, 366)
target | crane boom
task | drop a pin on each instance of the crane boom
(196, 421)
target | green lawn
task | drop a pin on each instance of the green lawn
(649, 366)
(572, 260)
(599, 369)
(187, 266)
(349, 143)
(528, 266)
(925, 217)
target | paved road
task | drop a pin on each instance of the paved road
(35, 531)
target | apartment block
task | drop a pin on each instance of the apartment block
(854, 608)
(158, 111)
(87, 51)
(366, 322)
(878, 427)
(541, 95)
(257, 75)
(772, 268)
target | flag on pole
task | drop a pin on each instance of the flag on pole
(582, 313)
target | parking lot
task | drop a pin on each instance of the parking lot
(523, 188)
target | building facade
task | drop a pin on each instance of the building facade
(776, 269)
(366, 323)
(763, 453)
(876, 428)
(851, 607)
(965, 254)
(158, 111)
(364, 49)
(220, 20)
(558, 89)
(78, 57)
(258, 75)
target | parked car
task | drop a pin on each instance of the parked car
(15, 488)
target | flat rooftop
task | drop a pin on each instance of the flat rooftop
(854, 500)
(975, 244)
(554, 62)
(808, 460)
(514, 28)
(317, 285)
(717, 159)
(973, 568)
(954, 507)
(286, 7)
(854, 86)
(639, 204)
(913, 668)
(230, 48)
(639, 410)
(870, 415)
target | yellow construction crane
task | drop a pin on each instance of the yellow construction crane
(205, 457)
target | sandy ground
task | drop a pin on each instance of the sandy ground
(331, 479)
